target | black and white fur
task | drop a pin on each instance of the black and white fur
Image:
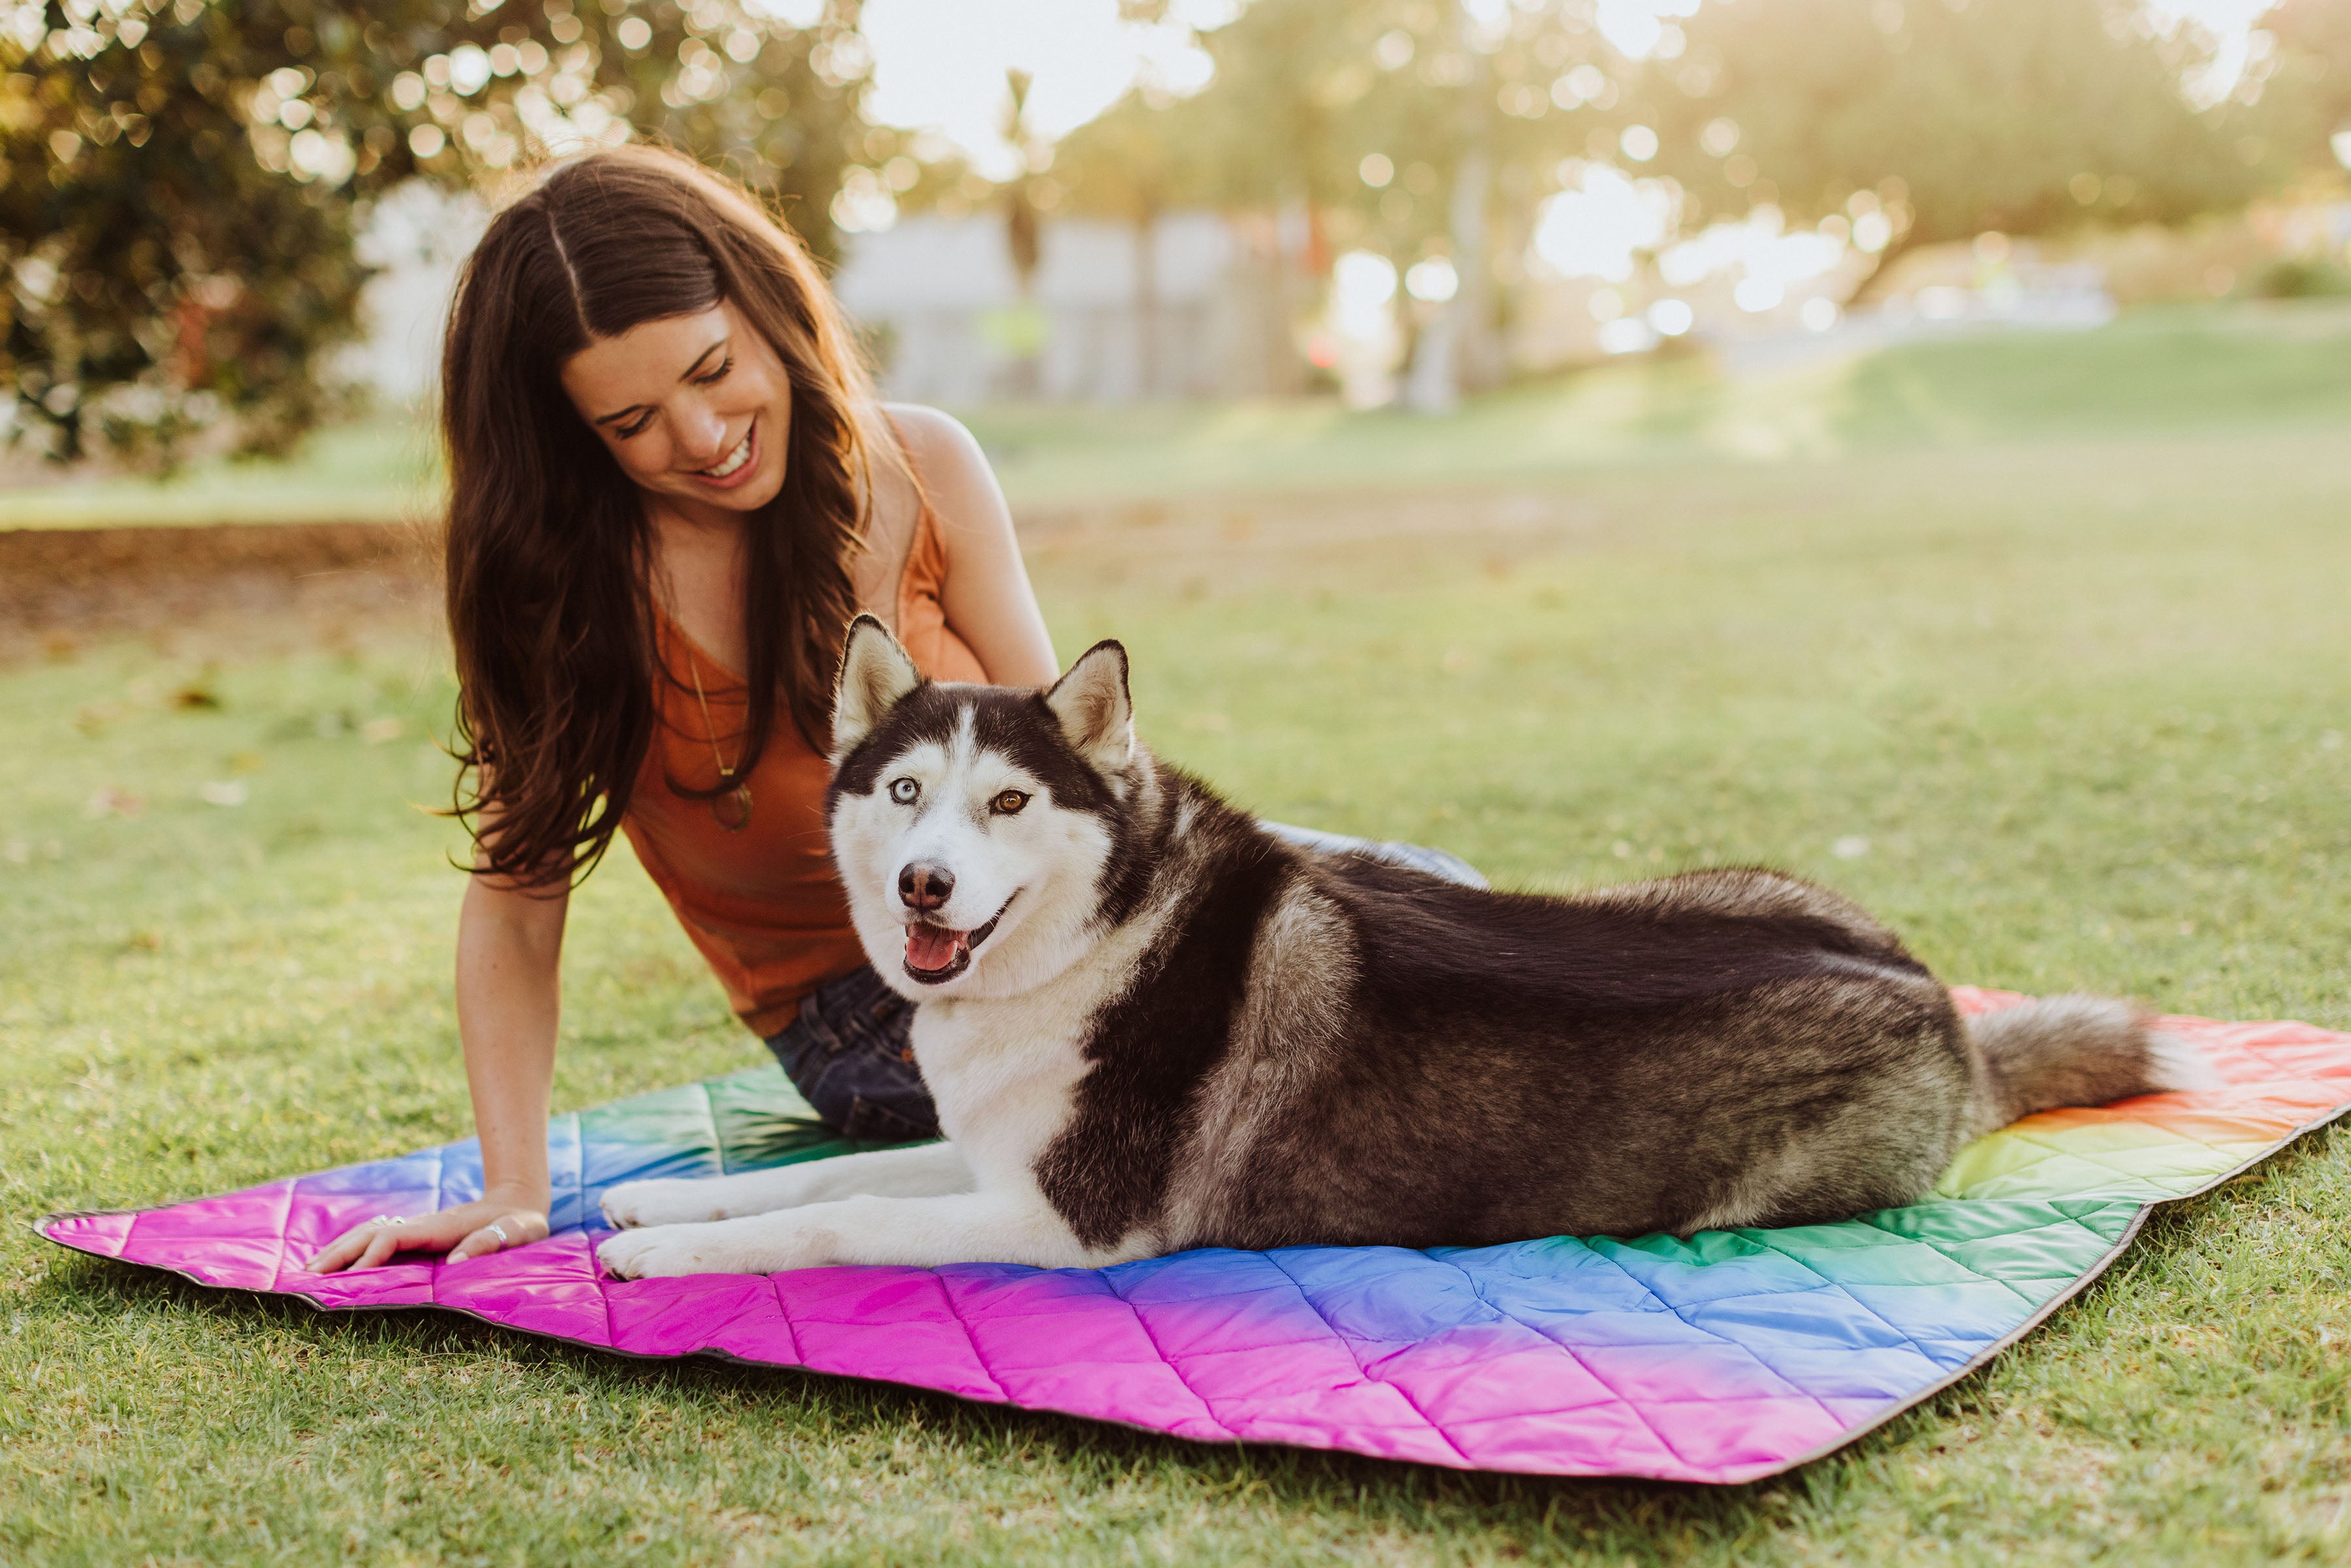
(1149, 1024)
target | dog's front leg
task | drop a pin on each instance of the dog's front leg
(927, 1170)
(966, 1227)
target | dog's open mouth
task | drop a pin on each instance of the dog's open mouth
(935, 954)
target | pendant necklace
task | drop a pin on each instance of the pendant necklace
(732, 810)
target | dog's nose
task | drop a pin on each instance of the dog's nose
(925, 887)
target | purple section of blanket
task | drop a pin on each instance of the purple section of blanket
(1215, 1345)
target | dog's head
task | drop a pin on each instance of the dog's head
(972, 824)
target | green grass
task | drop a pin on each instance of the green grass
(2154, 370)
(2084, 688)
(381, 469)
(2232, 366)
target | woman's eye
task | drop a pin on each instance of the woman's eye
(717, 375)
(637, 429)
(903, 790)
(1008, 802)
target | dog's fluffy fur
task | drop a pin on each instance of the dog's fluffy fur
(1149, 1025)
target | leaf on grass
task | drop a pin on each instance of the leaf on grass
(110, 802)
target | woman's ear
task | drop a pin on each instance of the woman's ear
(875, 672)
(1096, 713)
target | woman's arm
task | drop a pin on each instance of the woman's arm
(509, 952)
(987, 596)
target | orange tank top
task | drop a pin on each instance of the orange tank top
(763, 904)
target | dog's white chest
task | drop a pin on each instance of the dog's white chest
(1005, 1079)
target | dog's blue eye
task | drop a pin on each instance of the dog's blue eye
(903, 790)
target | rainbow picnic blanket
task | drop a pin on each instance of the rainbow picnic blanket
(1725, 1357)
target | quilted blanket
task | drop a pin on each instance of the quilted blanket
(1725, 1357)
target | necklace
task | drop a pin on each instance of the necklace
(731, 809)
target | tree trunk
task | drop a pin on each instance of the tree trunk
(1146, 304)
(1458, 353)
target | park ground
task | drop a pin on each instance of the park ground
(2035, 645)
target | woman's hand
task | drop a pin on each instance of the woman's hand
(469, 1231)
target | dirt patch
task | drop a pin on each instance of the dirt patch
(332, 581)
(62, 586)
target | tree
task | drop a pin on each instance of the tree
(1392, 125)
(2308, 88)
(181, 180)
(2025, 116)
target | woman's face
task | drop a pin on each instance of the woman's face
(695, 407)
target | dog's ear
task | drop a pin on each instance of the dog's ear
(875, 671)
(1092, 701)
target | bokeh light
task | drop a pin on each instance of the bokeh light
(1433, 280)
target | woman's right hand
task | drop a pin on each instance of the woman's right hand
(469, 1231)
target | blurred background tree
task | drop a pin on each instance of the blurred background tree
(1953, 117)
(2309, 80)
(184, 180)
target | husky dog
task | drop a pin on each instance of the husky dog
(1149, 1024)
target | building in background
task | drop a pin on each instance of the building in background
(1197, 313)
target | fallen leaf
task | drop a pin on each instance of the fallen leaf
(110, 802)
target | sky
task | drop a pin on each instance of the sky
(939, 64)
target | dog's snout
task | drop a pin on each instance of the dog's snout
(925, 887)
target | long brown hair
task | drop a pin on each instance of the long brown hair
(549, 546)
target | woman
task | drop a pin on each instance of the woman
(671, 488)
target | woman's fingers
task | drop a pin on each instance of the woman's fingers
(339, 1252)
(351, 1245)
(512, 1229)
(477, 1230)
(368, 1246)
(379, 1248)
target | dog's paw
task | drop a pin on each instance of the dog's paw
(729, 1246)
(661, 1202)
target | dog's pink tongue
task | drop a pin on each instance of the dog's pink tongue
(932, 947)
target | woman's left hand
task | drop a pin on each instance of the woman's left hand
(469, 1231)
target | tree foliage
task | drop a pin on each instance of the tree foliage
(1358, 112)
(181, 182)
(2025, 115)
(2308, 88)
(2020, 115)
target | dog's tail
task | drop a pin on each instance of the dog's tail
(2074, 1051)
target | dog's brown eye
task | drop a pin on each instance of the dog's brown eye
(1008, 802)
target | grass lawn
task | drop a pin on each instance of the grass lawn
(2076, 669)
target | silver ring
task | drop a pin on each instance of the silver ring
(499, 1231)
(397, 1219)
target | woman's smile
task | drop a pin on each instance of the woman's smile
(738, 466)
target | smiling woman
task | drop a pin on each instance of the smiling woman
(671, 487)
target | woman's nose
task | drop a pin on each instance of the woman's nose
(701, 438)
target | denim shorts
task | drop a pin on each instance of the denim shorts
(849, 1051)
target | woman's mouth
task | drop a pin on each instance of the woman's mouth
(735, 467)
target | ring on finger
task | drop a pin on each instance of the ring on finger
(499, 1231)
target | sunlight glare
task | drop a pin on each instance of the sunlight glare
(1361, 284)
(1760, 248)
(1592, 228)
(1635, 28)
(939, 64)
(1432, 279)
